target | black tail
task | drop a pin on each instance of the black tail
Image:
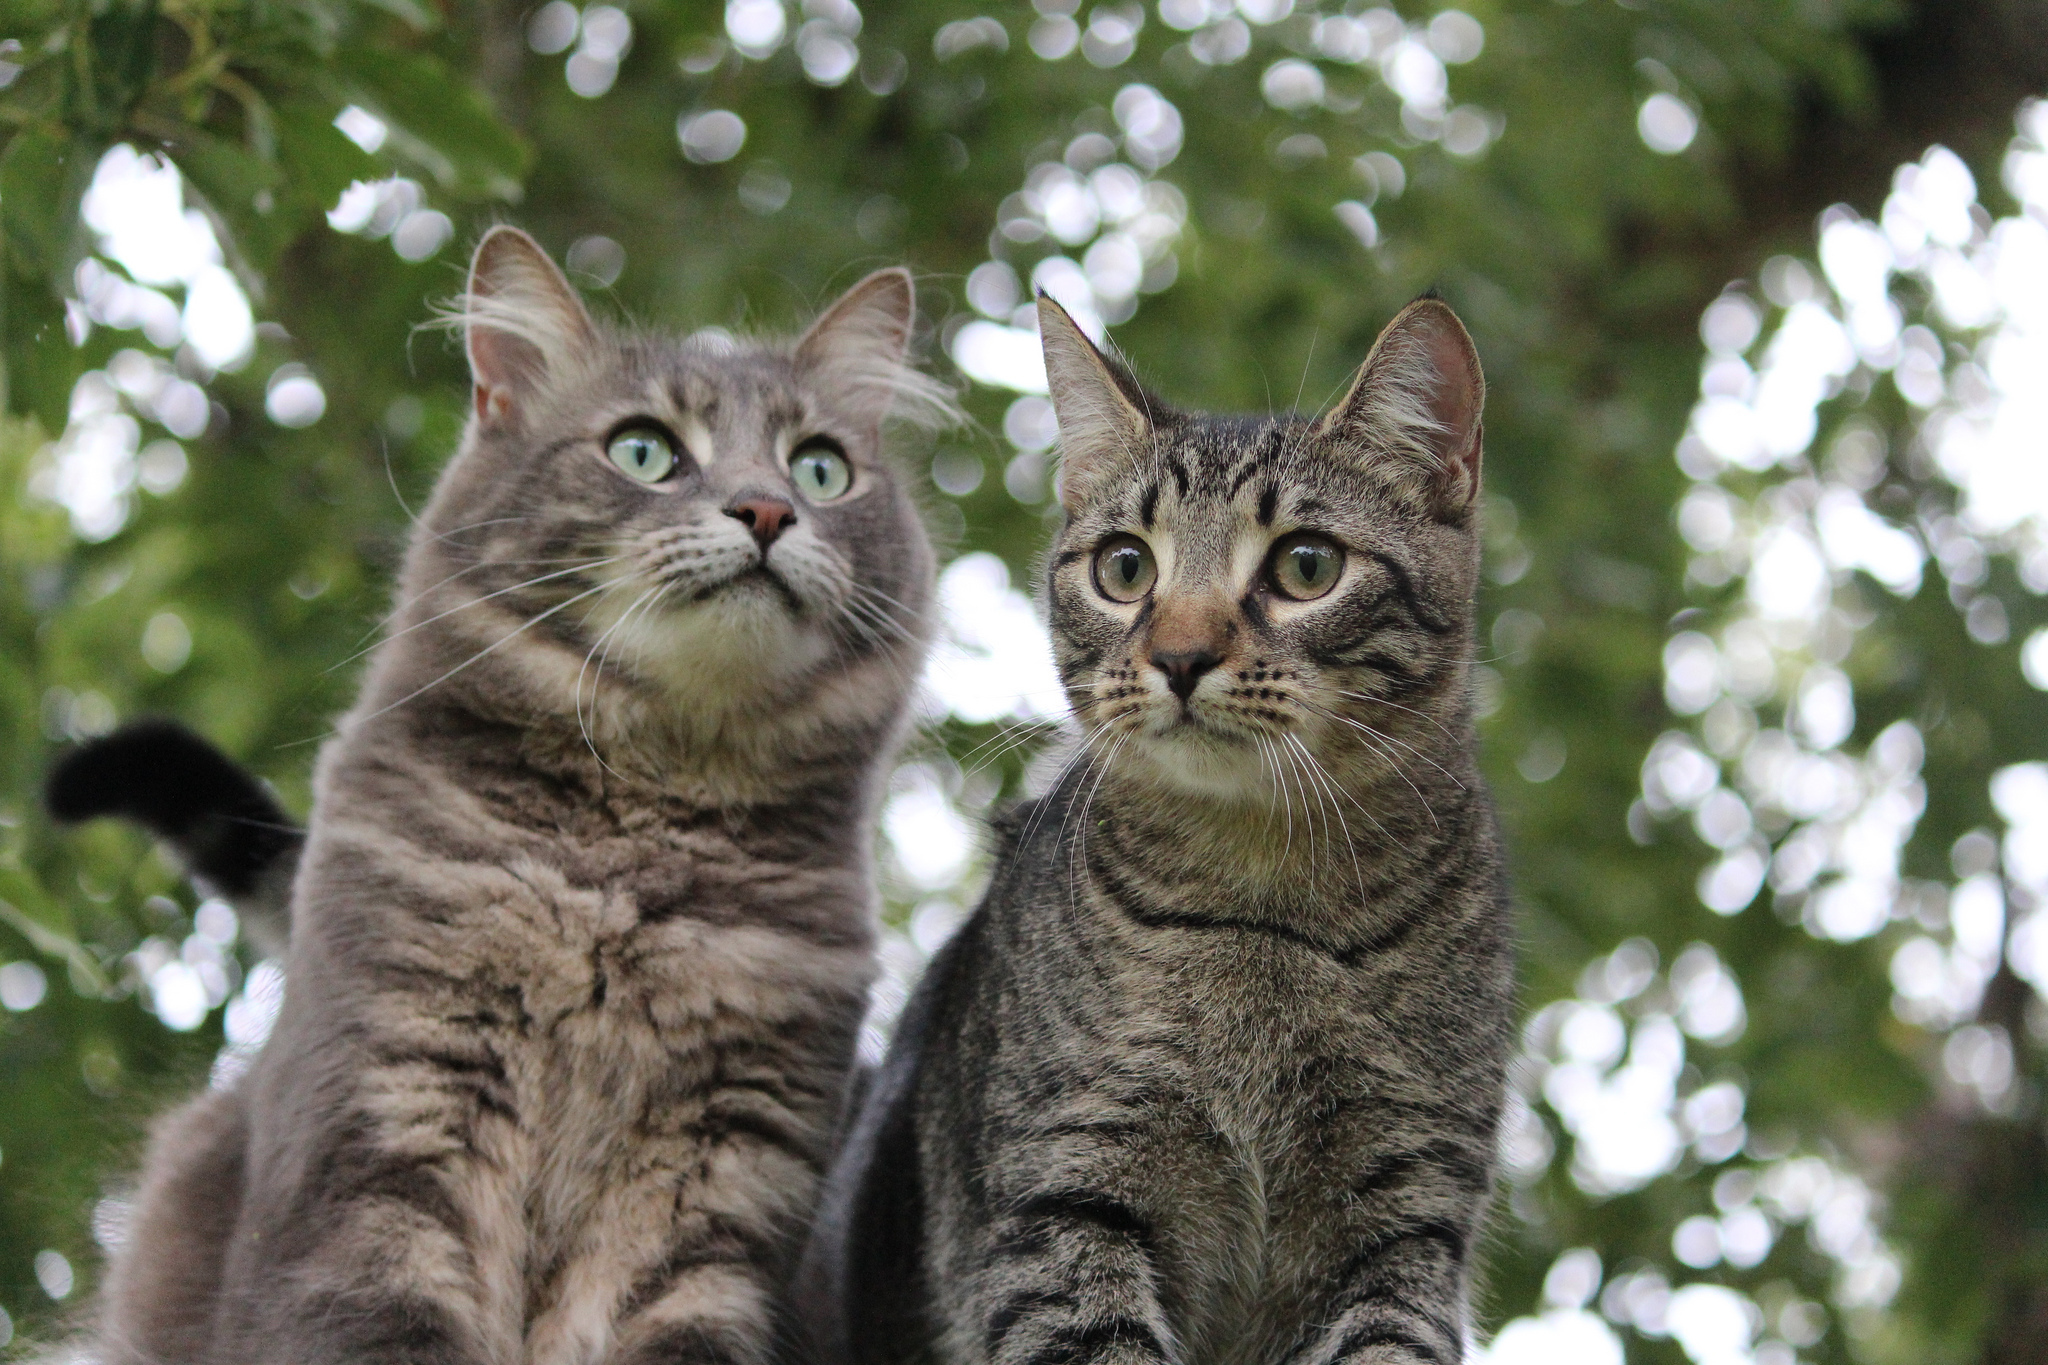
(234, 839)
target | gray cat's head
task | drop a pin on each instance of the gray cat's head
(700, 537)
(1245, 607)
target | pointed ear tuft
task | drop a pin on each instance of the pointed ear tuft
(521, 322)
(1103, 414)
(860, 348)
(1415, 406)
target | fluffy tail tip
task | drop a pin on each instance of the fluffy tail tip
(182, 789)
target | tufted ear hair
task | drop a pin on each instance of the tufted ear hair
(1104, 416)
(859, 348)
(521, 322)
(1414, 409)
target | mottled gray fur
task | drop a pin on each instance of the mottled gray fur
(1213, 1074)
(581, 935)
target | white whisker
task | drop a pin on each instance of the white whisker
(576, 697)
(491, 648)
(476, 601)
(1381, 737)
(1330, 784)
(1382, 701)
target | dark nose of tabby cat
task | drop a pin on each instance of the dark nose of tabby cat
(767, 518)
(1185, 668)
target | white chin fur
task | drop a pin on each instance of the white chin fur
(730, 650)
(1203, 762)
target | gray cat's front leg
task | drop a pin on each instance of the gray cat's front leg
(387, 1263)
(393, 1331)
(1070, 1280)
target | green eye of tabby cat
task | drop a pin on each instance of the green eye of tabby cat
(820, 470)
(643, 453)
(1124, 569)
(1305, 567)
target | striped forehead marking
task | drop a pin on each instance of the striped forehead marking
(690, 425)
(697, 436)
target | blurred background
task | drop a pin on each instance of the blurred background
(1761, 287)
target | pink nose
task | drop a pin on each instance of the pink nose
(767, 518)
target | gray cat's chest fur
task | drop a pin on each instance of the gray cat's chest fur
(555, 1008)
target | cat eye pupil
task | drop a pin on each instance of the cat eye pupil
(1306, 567)
(1124, 569)
(821, 470)
(643, 454)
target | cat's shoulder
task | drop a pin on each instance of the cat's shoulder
(1027, 823)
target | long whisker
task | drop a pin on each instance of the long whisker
(1377, 742)
(1357, 805)
(475, 601)
(876, 616)
(1270, 762)
(870, 590)
(1286, 805)
(398, 610)
(1382, 701)
(872, 626)
(1305, 777)
(589, 654)
(651, 605)
(1308, 770)
(1330, 784)
(900, 627)
(1078, 854)
(455, 531)
(492, 648)
(1007, 740)
(862, 631)
(1081, 750)
(1382, 737)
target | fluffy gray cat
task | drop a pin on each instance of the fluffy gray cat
(1214, 1072)
(581, 933)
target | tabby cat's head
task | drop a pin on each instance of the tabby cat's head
(1245, 605)
(644, 529)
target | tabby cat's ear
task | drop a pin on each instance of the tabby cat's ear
(1414, 407)
(1101, 409)
(521, 320)
(858, 350)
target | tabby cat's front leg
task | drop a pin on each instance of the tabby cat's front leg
(1070, 1280)
(1398, 1302)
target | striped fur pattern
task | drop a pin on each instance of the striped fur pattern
(582, 930)
(1212, 1076)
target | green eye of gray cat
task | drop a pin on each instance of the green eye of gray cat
(1305, 567)
(1124, 569)
(643, 453)
(820, 470)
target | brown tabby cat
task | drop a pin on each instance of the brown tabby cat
(581, 933)
(1212, 1076)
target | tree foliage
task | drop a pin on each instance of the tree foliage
(202, 520)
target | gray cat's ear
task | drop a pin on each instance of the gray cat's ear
(1415, 406)
(859, 351)
(1101, 410)
(521, 321)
